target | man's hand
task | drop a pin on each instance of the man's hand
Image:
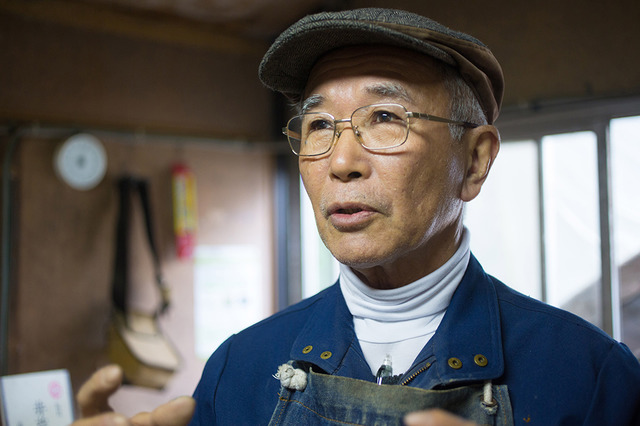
(94, 407)
(435, 417)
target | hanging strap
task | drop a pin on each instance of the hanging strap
(128, 187)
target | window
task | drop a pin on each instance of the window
(505, 216)
(625, 175)
(319, 268)
(537, 223)
(572, 230)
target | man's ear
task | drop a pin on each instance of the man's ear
(482, 144)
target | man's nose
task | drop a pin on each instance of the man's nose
(348, 159)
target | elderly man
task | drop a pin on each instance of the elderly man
(394, 134)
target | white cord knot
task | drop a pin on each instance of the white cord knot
(487, 394)
(489, 404)
(291, 378)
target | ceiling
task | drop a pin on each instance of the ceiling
(262, 19)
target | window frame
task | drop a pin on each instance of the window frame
(536, 121)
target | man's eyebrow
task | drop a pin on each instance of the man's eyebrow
(390, 90)
(312, 101)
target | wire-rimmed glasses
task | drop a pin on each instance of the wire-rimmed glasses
(378, 126)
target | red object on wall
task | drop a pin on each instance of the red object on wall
(184, 210)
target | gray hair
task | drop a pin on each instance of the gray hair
(463, 103)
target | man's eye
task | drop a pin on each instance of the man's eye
(384, 117)
(319, 124)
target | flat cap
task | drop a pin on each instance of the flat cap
(288, 62)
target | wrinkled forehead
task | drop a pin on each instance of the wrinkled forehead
(385, 70)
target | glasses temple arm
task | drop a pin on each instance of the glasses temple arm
(442, 120)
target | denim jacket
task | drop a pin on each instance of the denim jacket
(558, 368)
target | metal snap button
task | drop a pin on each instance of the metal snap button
(454, 363)
(325, 355)
(307, 349)
(481, 360)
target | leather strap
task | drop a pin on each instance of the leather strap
(128, 188)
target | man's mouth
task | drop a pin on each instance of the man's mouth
(348, 208)
(350, 216)
(351, 210)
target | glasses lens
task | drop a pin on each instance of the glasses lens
(381, 126)
(311, 134)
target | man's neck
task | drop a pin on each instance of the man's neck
(411, 267)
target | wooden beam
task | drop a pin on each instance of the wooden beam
(155, 27)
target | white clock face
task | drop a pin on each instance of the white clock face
(81, 161)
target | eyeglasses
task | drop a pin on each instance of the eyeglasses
(377, 127)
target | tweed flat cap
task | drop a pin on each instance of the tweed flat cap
(288, 62)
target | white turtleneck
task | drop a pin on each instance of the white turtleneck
(400, 321)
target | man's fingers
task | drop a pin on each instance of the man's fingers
(435, 417)
(174, 413)
(94, 394)
(93, 399)
(108, 419)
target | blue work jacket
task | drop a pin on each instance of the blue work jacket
(559, 369)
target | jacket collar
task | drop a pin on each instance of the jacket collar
(468, 342)
(327, 334)
(469, 334)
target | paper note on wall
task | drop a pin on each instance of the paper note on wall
(229, 293)
(37, 399)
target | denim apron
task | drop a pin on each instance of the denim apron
(332, 400)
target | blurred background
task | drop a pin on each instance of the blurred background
(167, 82)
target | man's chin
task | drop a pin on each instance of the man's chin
(358, 261)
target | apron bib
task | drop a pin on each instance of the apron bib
(335, 400)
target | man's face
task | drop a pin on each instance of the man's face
(392, 215)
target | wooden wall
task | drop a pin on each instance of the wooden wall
(66, 249)
(78, 75)
(154, 94)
